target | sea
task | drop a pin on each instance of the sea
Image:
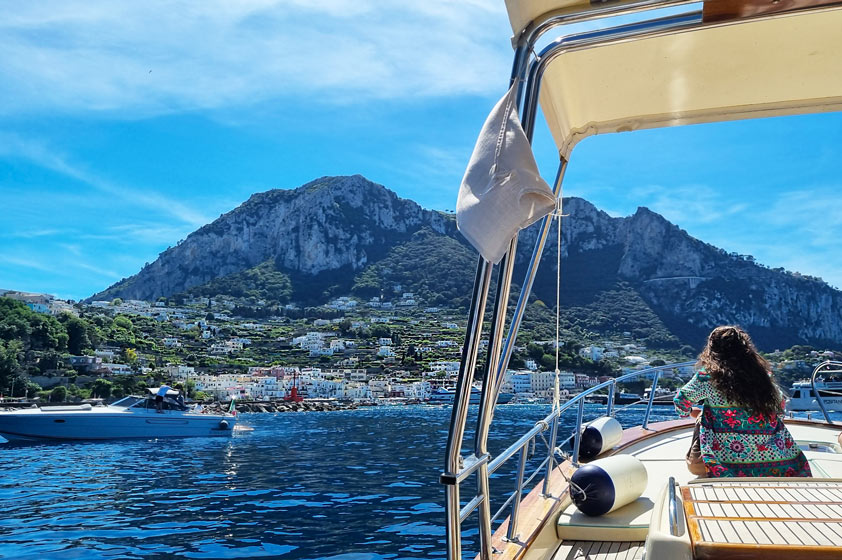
(355, 484)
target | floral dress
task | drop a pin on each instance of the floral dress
(736, 443)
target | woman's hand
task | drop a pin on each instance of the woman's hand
(694, 412)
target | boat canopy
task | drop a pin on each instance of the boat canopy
(709, 71)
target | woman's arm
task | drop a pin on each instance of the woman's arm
(693, 392)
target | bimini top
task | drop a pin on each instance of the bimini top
(732, 62)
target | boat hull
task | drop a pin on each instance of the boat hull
(34, 425)
(832, 404)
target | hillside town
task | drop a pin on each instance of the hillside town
(371, 351)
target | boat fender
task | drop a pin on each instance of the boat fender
(223, 424)
(607, 484)
(599, 436)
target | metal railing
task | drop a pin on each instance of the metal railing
(828, 367)
(527, 70)
(673, 508)
(474, 464)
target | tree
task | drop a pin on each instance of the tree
(130, 355)
(101, 388)
(77, 333)
(381, 331)
(9, 364)
(535, 351)
(46, 333)
(32, 389)
(59, 394)
(117, 301)
(123, 322)
(344, 327)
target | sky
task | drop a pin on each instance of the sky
(124, 126)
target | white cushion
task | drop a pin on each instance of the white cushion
(629, 523)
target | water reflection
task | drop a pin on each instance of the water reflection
(354, 484)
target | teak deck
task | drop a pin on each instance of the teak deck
(590, 550)
(732, 519)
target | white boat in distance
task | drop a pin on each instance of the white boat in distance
(826, 381)
(131, 417)
(804, 398)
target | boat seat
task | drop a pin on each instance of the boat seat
(628, 523)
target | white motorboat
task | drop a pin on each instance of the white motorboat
(822, 392)
(130, 417)
(803, 396)
(619, 67)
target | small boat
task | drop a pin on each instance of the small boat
(825, 382)
(444, 395)
(804, 397)
(130, 417)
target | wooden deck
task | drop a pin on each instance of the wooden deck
(774, 519)
(588, 550)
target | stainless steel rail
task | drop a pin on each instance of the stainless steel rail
(457, 468)
(521, 446)
(673, 508)
(824, 367)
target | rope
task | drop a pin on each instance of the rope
(558, 215)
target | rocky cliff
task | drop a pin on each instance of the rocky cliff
(330, 224)
(341, 235)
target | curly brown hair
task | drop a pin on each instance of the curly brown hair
(739, 372)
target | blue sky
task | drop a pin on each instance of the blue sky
(125, 126)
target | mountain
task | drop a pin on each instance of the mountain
(346, 235)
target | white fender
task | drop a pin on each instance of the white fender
(607, 484)
(599, 436)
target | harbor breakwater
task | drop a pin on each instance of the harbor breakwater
(285, 406)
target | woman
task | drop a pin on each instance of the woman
(741, 429)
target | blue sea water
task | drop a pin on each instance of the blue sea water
(357, 484)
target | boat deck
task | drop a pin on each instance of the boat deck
(778, 519)
(586, 550)
(662, 449)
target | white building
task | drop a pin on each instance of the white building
(115, 369)
(593, 353)
(180, 372)
(521, 382)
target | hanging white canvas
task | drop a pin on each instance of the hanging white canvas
(502, 191)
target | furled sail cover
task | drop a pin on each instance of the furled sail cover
(782, 64)
(502, 190)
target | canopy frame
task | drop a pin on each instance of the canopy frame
(528, 71)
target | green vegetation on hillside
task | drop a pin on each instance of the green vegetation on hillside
(437, 269)
(262, 282)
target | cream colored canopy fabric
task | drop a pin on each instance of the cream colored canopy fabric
(776, 65)
(521, 12)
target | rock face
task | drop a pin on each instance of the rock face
(694, 286)
(340, 227)
(328, 224)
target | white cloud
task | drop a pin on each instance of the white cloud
(34, 264)
(143, 58)
(813, 216)
(14, 146)
(687, 204)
